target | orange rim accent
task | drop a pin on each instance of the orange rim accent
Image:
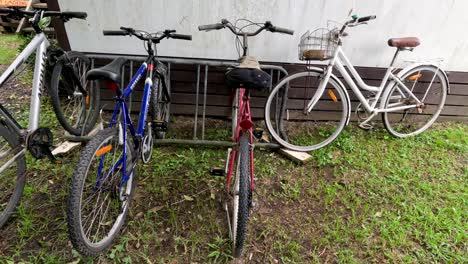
(414, 77)
(103, 150)
(332, 95)
(87, 100)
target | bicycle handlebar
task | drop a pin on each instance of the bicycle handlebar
(126, 31)
(356, 21)
(115, 33)
(62, 15)
(365, 19)
(210, 27)
(181, 36)
(282, 30)
(225, 23)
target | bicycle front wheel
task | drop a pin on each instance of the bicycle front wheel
(13, 173)
(100, 193)
(76, 112)
(427, 83)
(240, 197)
(292, 125)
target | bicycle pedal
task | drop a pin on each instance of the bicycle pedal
(160, 126)
(365, 126)
(216, 171)
(258, 133)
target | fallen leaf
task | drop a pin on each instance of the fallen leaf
(188, 198)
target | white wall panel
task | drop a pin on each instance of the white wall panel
(441, 26)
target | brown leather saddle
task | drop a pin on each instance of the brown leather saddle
(409, 42)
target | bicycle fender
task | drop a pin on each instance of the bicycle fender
(406, 70)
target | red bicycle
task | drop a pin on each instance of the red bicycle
(247, 76)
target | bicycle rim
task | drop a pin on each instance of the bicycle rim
(112, 195)
(76, 112)
(429, 85)
(292, 125)
(12, 175)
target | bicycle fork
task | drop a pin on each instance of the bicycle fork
(320, 89)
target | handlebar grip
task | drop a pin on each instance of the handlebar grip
(115, 33)
(366, 18)
(79, 15)
(181, 36)
(211, 27)
(282, 30)
(6, 10)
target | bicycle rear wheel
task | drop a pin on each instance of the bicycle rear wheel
(240, 196)
(13, 176)
(429, 84)
(76, 113)
(100, 197)
(159, 107)
(294, 127)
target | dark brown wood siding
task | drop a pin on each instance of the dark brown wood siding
(218, 101)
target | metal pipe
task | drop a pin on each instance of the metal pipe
(196, 103)
(205, 89)
(216, 143)
(182, 61)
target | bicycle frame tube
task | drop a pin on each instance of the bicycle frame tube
(340, 61)
(145, 99)
(244, 120)
(127, 123)
(122, 108)
(39, 44)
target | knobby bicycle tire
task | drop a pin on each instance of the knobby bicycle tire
(60, 82)
(74, 211)
(20, 174)
(245, 194)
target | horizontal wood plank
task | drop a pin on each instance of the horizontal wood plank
(219, 97)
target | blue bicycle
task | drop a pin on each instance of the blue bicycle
(104, 179)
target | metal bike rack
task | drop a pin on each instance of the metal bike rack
(198, 138)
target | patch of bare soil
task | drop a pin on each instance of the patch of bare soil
(14, 94)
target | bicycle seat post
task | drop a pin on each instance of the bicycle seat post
(394, 57)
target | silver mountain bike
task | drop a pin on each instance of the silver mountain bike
(314, 105)
(14, 139)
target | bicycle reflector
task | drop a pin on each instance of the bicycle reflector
(111, 85)
(103, 150)
(414, 77)
(246, 124)
(332, 95)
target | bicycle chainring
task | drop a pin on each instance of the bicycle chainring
(40, 142)
(361, 113)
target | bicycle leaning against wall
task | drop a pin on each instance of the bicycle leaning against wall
(318, 107)
(244, 78)
(16, 140)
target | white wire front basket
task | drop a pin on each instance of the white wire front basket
(319, 44)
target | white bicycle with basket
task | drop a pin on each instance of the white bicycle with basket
(409, 100)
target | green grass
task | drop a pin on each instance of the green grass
(8, 47)
(367, 197)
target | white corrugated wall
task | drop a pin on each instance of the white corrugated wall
(441, 26)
